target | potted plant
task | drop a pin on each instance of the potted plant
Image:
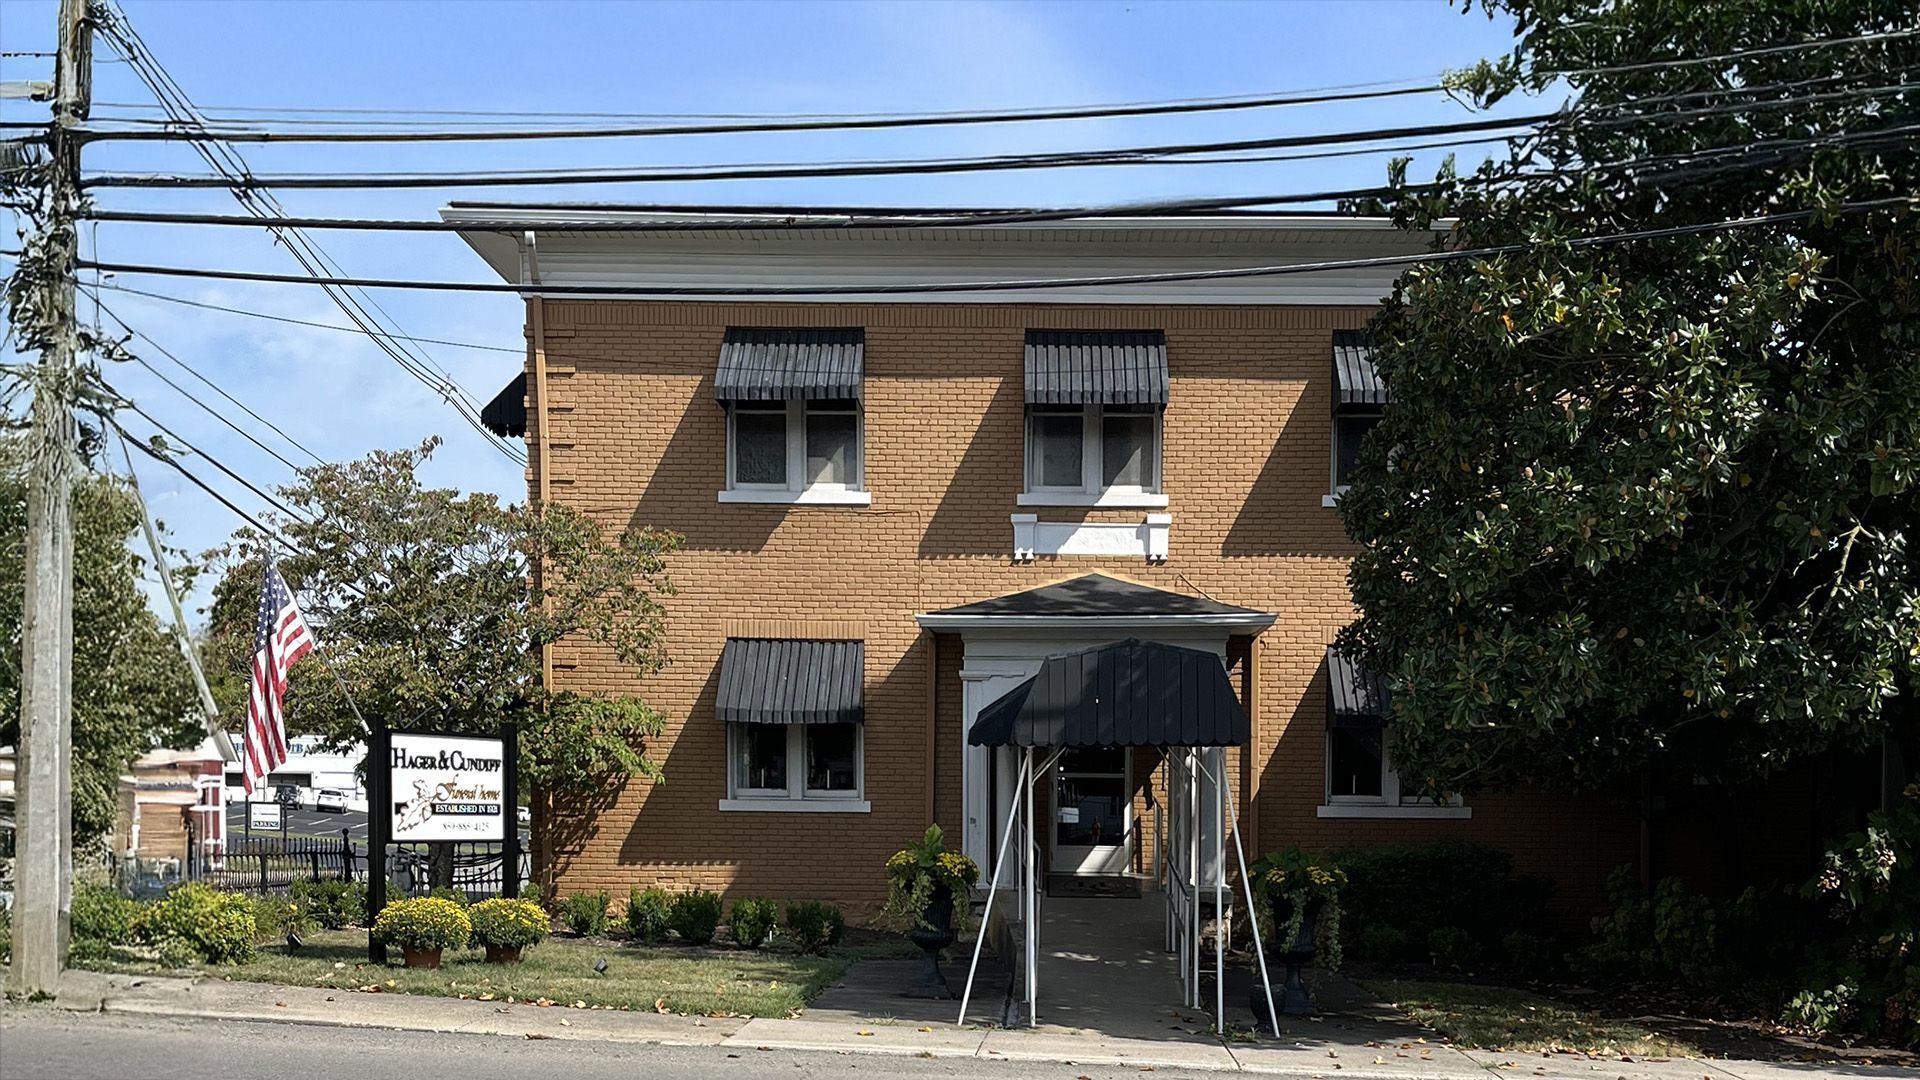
(423, 927)
(930, 888)
(505, 927)
(1297, 898)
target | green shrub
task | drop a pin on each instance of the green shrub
(753, 920)
(335, 905)
(1452, 948)
(814, 925)
(511, 924)
(1417, 889)
(448, 892)
(274, 917)
(649, 915)
(200, 922)
(101, 919)
(1381, 944)
(424, 923)
(532, 893)
(1527, 953)
(695, 916)
(176, 952)
(586, 913)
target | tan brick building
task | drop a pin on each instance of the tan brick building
(852, 466)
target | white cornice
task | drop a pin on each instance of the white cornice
(1252, 621)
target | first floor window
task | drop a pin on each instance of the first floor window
(1091, 449)
(1360, 770)
(796, 761)
(793, 445)
(1349, 431)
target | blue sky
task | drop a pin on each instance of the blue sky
(338, 395)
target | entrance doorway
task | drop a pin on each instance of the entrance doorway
(1093, 811)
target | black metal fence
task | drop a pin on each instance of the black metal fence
(265, 864)
(477, 868)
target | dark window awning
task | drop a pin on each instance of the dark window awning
(506, 414)
(1072, 367)
(1128, 693)
(1359, 385)
(762, 364)
(1356, 698)
(792, 681)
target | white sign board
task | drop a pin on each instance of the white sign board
(264, 815)
(447, 787)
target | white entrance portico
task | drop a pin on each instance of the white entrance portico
(1006, 638)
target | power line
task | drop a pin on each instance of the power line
(269, 499)
(551, 114)
(1280, 270)
(174, 100)
(184, 366)
(770, 126)
(262, 528)
(802, 219)
(1054, 160)
(120, 32)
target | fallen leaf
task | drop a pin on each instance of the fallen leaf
(537, 1035)
(863, 1034)
(566, 1023)
(660, 1005)
(279, 1004)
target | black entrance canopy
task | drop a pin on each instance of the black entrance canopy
(1128, 693)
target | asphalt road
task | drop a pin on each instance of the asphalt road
(41, 1043)
(304, 823)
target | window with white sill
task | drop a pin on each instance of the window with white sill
(783, 449)
(1349, 431)
(1360, 775)
(795, 763)
(1091, 453)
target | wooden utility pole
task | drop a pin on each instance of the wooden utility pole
(43, 867)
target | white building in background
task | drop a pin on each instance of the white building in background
(309, 768)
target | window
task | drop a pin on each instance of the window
(1361, 781)
(1349, 431)
(795, 763)
(794, 451)
(1093, 452)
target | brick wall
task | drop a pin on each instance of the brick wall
(636, 438)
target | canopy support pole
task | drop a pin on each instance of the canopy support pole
(1253, 915)
(1033, 900)
(1219, 898)
(993, 887)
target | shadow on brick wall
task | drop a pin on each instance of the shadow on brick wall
(972, 516)
(683, 492)
(1282, 513)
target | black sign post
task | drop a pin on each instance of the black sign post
(379, 828)
(510, 784)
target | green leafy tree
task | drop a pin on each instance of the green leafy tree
(434, 606)
(1654, 501)
(131, 688)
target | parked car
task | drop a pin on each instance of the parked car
(327, 800)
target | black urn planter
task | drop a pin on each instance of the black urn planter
(1291, 997)
(931, 939)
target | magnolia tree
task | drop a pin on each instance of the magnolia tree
(431, 609)
(1653, 502)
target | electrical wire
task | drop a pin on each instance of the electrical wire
(271, 500)
(802, 219)
(1017, 284)
(245, 135)
(272, 534)
(122, 36)
(184, 366)
(1736, 56)
(907, 166)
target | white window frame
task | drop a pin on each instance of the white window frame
(1092, 491)
(1389, 803)
(796, 489)
(797, 797)
(1335, 488)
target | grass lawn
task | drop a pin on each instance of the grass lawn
(700, 982)
(1502, 1018)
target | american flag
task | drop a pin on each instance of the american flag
(280, 638)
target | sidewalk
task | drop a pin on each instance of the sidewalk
(1330, 1053)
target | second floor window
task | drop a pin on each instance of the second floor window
(1093, 449)
(794, 445)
